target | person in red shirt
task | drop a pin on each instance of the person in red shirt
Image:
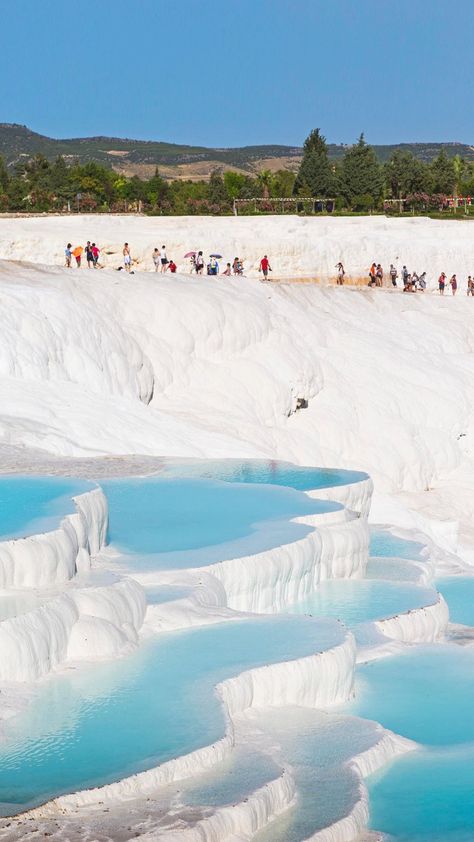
(172, 266)
(265, 266)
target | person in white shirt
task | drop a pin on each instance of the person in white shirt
(164, 259)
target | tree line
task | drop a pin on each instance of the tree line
(358, 182)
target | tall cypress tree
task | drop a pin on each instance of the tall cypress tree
(444, 173)
(315, 171)
(361, 172)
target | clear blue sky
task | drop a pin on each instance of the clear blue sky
(236, 72)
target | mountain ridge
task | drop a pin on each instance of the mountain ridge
(140, 157)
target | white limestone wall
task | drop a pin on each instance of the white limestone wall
(420, 625)
(271, 580)
(82, 624)
(51, 558)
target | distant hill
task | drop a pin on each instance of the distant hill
(140, 157)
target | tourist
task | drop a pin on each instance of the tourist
(156, 259)
(213, 267)
(454, 284)
(95, 255)
(127, 258)
(470, 286)
(227, 270)
(78, 255)
(265, 267)
(404, 275)
(372, 274)
(199, 263)
(414, 280)
(172, 266)
(89, 255)
(68, 255)
(236, 266)
(422, 281)
(442, 283)
(164, 259)
(393, 275)
(340, 274)
(193, 264)
(379, 275)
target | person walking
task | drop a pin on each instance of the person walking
(340, 274)
(127, 257)
(89, 255)
(68, 255)
(454, 284)
(265, 267)
(156, 259)
(95, 254)
(78, 255)
(379, 275)
(393, 275)
(470, 286)
(199, 263)
(422, 281)
(442, 283)
(164, 259)
(372, 274)
(404, 276)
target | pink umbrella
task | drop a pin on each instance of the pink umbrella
(190, 254)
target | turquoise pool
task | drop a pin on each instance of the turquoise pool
(458, 592)
(29, 504)
(264, 471)
(356, 601)
(383, 543)
(166, 523)
(99, 724)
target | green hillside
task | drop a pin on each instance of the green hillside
(18, 143)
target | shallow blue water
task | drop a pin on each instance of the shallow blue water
(383, 543)
(426, 695)
(458, 592)
(31, 504)
(426, 796)
(168, 523)
(316, 746)
(358, 600)
(102, 723)
(264, 471)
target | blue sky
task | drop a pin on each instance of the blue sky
(237, 72)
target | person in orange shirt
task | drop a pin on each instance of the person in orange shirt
(78, 254)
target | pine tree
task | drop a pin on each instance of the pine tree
(217, 192)
(444, 173)
(315, 170)
(361, 172)
(4, 177)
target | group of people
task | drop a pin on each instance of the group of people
(453, 283)
(91, 251)
(160, 259)
(411, 281)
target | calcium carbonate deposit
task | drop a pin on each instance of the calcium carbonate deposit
(209, 636)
